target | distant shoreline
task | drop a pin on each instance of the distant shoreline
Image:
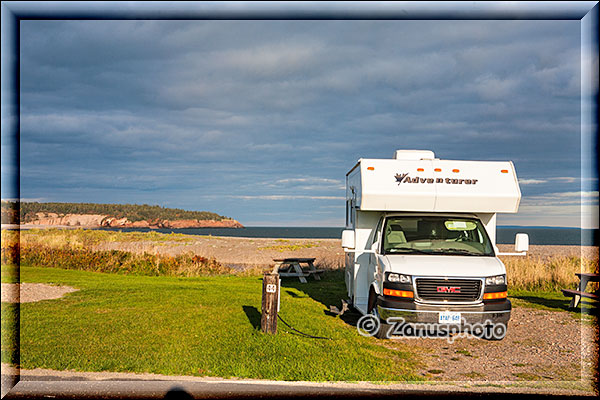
(41, 226)
(543, 227)
(504, 236)
(242, 253)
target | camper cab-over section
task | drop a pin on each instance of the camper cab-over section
(420, 237)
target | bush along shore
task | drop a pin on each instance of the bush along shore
(69, 256)
(111, 215)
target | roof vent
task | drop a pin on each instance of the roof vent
(414, 155)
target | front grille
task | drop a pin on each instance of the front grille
(446, 289)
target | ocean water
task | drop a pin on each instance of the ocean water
(505, 235)
(549, 236)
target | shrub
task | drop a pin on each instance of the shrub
(134, 212)
(117, 261)
(553, 273)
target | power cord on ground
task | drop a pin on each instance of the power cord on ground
(302, 333)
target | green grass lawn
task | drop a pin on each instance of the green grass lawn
(206, 326)
(553, 301)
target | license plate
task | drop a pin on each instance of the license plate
(448, 317)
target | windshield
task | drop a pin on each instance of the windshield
(436, 235)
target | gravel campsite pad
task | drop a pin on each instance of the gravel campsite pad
(539, 345)
(31, 292)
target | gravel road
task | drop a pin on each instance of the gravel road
(43, 384)
(46, 383)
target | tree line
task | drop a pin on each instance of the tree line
(133, 212)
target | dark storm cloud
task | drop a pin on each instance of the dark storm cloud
(232, 115)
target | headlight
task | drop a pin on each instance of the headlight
(495, 280)
(398, 278)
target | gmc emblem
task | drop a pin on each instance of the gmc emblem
(448, 289)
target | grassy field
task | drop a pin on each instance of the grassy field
(194, 319)
(529, 273)
(67, 250)
(206, 326)
(549, 275)
(79, 238)
(553, 300)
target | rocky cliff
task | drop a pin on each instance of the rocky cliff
(97, 220)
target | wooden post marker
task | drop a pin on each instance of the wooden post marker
(270, 299)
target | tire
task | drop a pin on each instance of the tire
(384, 329)
(497, 339)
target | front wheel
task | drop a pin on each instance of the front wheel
(497, 335)
(382, 332)
(384, 329)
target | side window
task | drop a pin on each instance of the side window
(377, 230)
(348, 213)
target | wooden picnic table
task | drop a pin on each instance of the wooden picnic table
(287, 267)
(584, 279)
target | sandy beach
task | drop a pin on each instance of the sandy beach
(246, 252)
(241, 252)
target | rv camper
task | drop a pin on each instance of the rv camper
(420, 239)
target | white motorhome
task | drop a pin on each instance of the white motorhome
(420, 238)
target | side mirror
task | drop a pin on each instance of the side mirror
(348, 239)
(521, 242)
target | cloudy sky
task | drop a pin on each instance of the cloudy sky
(261, 120)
